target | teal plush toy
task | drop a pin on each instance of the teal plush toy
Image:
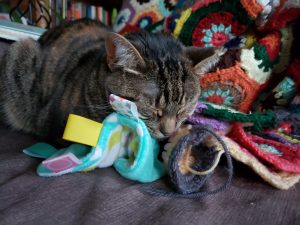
(122, 140)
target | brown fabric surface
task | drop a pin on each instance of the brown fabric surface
(104, 197)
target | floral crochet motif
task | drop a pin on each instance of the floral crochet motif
(217, 35)
(218, 96)
(209, 22)
(215, 30)
(232, 87)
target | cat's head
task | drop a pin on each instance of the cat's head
(159, 74)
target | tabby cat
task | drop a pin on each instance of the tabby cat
(75, 67)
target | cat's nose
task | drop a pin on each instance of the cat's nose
(167, 133)
(168, 126)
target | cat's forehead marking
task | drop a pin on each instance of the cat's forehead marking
(173, 76)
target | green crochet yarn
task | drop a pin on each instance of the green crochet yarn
(260, 53)
(260, 120)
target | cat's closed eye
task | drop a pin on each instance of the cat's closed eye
(181, 113)
(157, 112)
(150, 113)
(146, 113)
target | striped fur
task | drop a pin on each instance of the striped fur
(69, 71)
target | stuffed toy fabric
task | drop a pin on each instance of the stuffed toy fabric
(122, 140)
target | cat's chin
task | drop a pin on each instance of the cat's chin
(160, 136)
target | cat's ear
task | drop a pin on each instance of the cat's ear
(121, 53)
(204, 59)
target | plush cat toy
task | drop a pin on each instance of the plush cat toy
(122, 140)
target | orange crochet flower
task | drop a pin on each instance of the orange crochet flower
(231, 87)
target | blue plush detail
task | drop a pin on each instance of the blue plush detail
(40, 150)
(146, 167)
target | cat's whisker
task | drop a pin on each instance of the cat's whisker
(143, 117)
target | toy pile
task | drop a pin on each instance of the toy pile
(122, 140)
(251, 97)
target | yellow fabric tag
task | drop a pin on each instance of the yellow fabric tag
(82, 130)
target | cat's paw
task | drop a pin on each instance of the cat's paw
(220, 51)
